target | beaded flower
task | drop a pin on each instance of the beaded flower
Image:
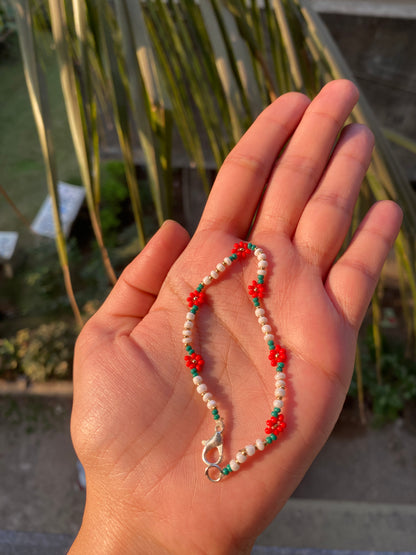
(277, 355)
(256, 289)
(194, 362)
(196, 298)
(241, 250)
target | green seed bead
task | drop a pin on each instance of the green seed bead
(233, 256)
(280, 366)
(216, 416)
(225, 471)
(268, 440)
(274, 437)
(275, 412)
(200, 287)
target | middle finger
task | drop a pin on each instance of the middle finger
(298, 170)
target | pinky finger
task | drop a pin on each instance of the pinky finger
(353, 278)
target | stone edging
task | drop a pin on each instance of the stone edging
(62, 388)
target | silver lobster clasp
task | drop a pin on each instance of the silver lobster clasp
(215, 442)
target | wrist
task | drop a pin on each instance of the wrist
(108, 530)
(111, 531)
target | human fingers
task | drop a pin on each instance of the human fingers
(240, 182)
(139, 284)
(299, 169)
(326, 218)
(352, 280)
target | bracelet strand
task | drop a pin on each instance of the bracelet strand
(276, 424)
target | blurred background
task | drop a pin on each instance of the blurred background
(105, 132)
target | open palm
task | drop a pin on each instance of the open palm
(137, 421)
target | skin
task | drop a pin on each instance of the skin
(137, 421)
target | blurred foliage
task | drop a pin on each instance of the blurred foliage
(40, 354)
(387, 394)
(7, 24)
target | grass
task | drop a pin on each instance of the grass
(22, 171)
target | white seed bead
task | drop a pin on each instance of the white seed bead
(220, 267)
(259, 312)
(187, 332)
(186, 340)
(202, 388)
(214, 274)
(190, 316)
(280, 383)
(280, 376)
(197, 380)
(261, 272)
(278, 404)
(266, 329)
(207, 397)
(258, 251)
(188, 325)
(280, 392)
(269, 337)
(240, 457)
(263, 320)
(261, 256)
(260, 444)
(250, 450)
(211, 404)
(227, 261)
(234, 465)
(207, 280)
(262, 264)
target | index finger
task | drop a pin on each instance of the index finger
(240, 182)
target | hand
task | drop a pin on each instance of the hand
(137, 421)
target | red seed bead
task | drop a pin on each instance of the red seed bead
(280, 418)
(269, 423)
(268, 430)
(282, 355)
(273, 420)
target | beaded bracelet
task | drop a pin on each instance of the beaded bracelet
(194, 361)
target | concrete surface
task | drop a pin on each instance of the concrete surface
(333, 525)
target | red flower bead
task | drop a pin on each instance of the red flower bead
(277, 355)
(194, 362)
(256, 289)
(241, 250)
(196, 298)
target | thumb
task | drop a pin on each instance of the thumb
(140, 283)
